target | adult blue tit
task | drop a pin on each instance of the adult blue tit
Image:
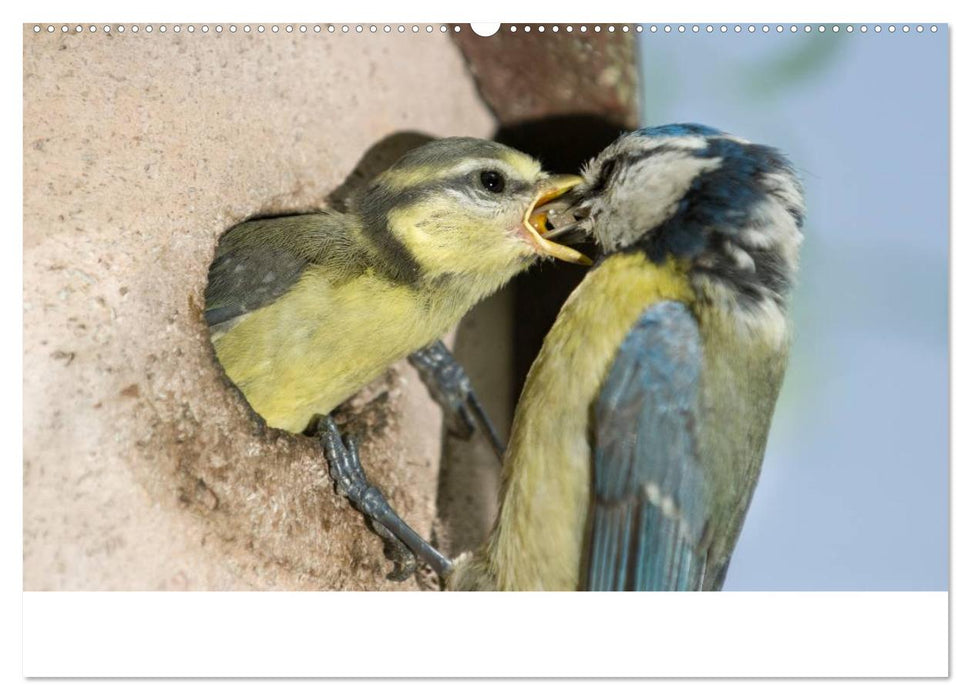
(640, 432)
(305, 310)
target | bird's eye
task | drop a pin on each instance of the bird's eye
(493, 181)
(607, 170)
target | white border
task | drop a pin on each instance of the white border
(402, 635)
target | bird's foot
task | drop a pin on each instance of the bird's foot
(401, 543)
(451, 388)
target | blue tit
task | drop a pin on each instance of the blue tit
(640, 432)
(305, 310)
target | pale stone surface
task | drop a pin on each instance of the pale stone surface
(142, 469)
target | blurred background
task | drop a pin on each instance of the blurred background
(854, 489)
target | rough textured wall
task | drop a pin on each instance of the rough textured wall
(142, 468)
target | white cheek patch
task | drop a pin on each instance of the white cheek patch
(645, 196)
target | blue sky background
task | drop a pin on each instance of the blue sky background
(854, 489)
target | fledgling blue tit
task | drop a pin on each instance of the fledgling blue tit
(640, 432)
(305, 310)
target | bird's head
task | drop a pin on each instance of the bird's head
(460, 207)
(728, 211)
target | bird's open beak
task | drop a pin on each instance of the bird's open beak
(536, 221)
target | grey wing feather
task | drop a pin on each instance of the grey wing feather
(649, 505)
(258, 261)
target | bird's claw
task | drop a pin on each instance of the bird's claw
(451, 388)
(350, 481)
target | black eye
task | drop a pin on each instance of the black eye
(493, 181)
(606, 171)
(603, 177)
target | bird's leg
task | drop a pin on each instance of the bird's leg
(402, 544)
(451, 388)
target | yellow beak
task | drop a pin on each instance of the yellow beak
(554, 187)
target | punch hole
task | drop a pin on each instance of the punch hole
(484, 28)
(134, 29)
(36, 28)
(639, 28)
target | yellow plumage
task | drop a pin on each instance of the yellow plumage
(305, 310)
(538, 540)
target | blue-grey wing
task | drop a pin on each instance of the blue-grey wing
(649, 506)
(258, 261)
